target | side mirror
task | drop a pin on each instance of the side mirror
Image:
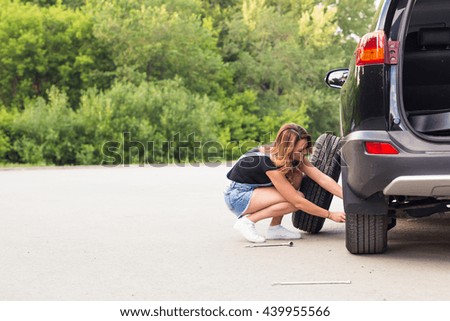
(336, 78)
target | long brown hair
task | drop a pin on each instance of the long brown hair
(282, 150)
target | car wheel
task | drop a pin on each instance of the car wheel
(326, 158)
(366, 234)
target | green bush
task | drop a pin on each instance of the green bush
(6, 119)
(134, 81)
(46, 133)
(49, 46)
(150, 113)
(166, 119)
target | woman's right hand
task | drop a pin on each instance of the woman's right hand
(337, 217)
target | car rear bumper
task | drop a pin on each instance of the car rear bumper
(420, 169)
(437, 186)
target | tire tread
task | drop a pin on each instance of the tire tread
(325, 157)
(366, 234)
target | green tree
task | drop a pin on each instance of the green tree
(352, 17)
(77, 74)
(48, 3)
(45, 46)
(154, 40)
(283, 56)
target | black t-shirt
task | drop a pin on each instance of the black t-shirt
(251, 168)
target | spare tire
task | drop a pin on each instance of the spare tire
(326, 158)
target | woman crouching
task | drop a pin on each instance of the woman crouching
(265, 183)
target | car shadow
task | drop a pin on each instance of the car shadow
(419, 239)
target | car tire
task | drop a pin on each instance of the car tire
(326, 158)
(366, 234)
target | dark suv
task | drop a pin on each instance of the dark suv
(395, 121)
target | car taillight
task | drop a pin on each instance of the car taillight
(379, 148)
(370, 49)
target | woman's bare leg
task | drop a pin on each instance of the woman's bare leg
(267, 202)
(275, 211)
(264, 199)
(276, 220)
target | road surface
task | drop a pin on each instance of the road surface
(164, 233)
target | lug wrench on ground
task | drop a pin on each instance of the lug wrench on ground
(290, 244)
(312, 283)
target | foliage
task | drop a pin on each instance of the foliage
(283, 67)
(133, 81)
(44, 47)
(151, 122)
(151, 41)
(45, 133)
(48, 3)
(148, 115)
(6, 119)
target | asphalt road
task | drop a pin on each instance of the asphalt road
(165, 234)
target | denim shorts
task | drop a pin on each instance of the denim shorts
(237, 196)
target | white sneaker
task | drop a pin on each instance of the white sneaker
(278, 232)
(248, 230)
